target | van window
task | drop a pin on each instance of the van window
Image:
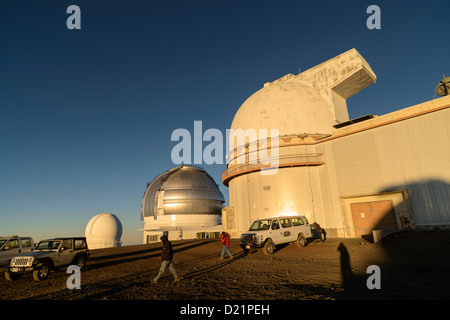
(304, 219)
(275, 225)
(297, 221)
(286, 223)
(260, 225)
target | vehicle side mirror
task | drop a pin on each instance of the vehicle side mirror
(61, 249)
(6, 248)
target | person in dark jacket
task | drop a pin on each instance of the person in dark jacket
(225, 239)
(166, 260)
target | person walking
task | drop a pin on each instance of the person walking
(166, 260)
(225, 239)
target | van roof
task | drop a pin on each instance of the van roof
(281, 217)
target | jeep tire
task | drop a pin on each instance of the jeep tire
(11, 276)
(80, 261)
(42, 271)
(269, 247)
(301, 240)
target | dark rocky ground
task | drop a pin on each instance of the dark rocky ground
(414, 265)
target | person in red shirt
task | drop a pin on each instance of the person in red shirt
(225, 239)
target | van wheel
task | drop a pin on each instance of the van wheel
(42, 272)
(301, 240)
(269, 248)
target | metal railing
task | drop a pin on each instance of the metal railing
(311, 159)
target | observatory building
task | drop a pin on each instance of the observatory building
(385, 172)
(103, 231)
(183, 203)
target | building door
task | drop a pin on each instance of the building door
(375, 215)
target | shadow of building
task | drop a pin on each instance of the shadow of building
(417, 252)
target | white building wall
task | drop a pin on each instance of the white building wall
(181, 226)
(290, 191)
(412, 154)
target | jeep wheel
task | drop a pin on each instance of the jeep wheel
(42, 272)
(269, 247)
(11, 276)
(80, 262)
(301, 240)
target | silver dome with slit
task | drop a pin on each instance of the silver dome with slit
(182, 190)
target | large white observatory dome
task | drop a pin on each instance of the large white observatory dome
(306, 109)
(104, 231)
(291, 107)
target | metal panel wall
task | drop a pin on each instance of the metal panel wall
(412, 154)
(416, 155)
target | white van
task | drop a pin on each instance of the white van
(270, 232)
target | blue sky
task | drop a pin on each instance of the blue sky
(86, 115)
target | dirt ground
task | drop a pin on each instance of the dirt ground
(413, 265)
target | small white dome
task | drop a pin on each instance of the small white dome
(104, 231)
